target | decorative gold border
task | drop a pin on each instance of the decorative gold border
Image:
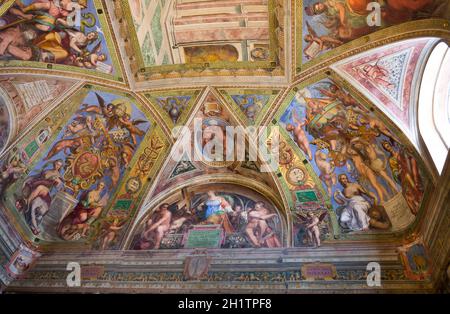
(335, 230)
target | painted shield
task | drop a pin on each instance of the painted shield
(196, 267)
(85, 165)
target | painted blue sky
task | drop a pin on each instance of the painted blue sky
(91, 99)
(286, 118)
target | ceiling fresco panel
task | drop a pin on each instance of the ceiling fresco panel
(250, 104)
(324, 25)
(175, 105)
(210, 113)
(185, 38)
(48, 35)
(178, 32)
(370, 176)
(92, 154)
(216, 216)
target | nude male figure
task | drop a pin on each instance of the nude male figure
(257, 220)
(111, 233)
(326, 168)
(12, 41)
(365, 171)
(378, 165)
(376, 124)
(376, 73)
(161, 226)
(300, 136)
(312, 229)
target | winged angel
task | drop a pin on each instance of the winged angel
(312, 222)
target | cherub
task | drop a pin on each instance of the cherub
(131, 126)
(95, 56)
(110, 232)
(324, 42)
(115, 116)
(326, 168)
(299, 134)
(78, 125)
(107, 110)
(312, 223)
(90, 58)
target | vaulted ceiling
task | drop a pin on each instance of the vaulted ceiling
(88, 113)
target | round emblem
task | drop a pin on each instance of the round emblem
(296, 176)
(86, 165)
(133, 185)
(285, 154)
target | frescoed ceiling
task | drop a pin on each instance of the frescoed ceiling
(100, 109)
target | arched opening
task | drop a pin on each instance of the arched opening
(434, 105)
(7, 121)
(218, 215)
